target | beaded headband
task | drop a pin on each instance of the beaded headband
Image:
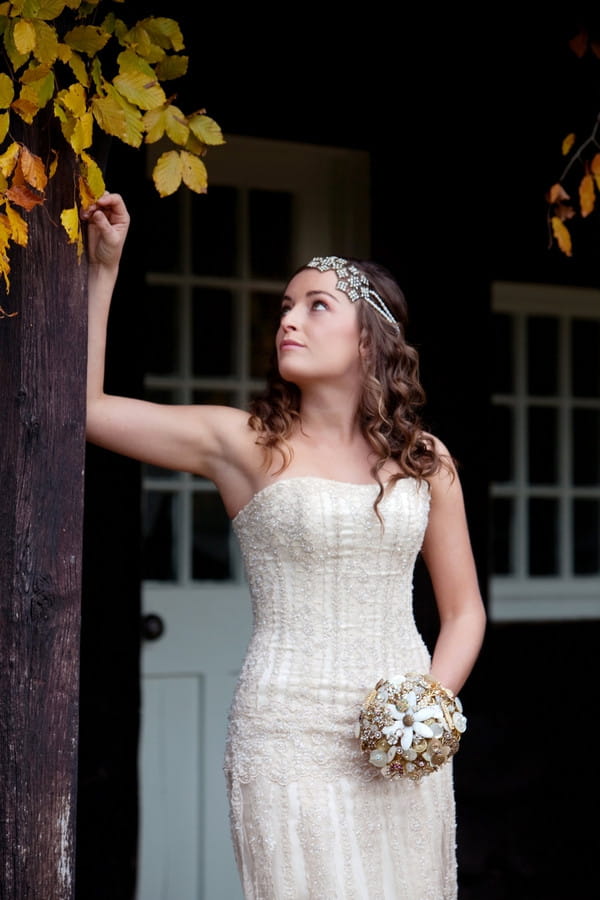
(352, 282)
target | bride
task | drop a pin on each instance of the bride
(333, 487)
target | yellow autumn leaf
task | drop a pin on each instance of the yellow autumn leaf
(587, 195)
(567, 144)
(86, 196)
(40, 91)
(78, 132)
(562, 235)
(71, 223)
(4, 123)
(138, 39)
(88, 39)
(8, 159)
(7, 91)
(53, 166)
(4, 262)
(168, 173)
(177, 126)
(129, 61)
(93, 175)
(24, 36)
(65, 53)
(164, 32)
(46, 43)
(73, 99)
(194, 172)
(155, 123)
(17, 59)
(206, 129)
(118, 117)
(138, 89)
(172, 66)
(34, 73)
(78, 68)
(26, 109)
(18, 226)
(49, 9)
(167, 119)
(195, 146)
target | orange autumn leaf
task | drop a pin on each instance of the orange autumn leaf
(23, 196)
(587, 195)
(595, 169)
(556, 193)
(34, 171)
(562, 235)
(567, 143)
(21, 193)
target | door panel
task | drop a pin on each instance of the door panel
(189, 674)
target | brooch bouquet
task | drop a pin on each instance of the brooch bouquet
(409, 726)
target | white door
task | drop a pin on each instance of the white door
(213, 297)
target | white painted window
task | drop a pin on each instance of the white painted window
(545, 554)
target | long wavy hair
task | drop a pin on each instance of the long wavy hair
(392, 397)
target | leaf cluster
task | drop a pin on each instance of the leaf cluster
(585, 154)
(90, 72)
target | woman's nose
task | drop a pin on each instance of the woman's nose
(288, 322)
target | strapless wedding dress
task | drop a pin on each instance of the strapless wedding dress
(332, 603)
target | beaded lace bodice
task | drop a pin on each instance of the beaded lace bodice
(332, 602)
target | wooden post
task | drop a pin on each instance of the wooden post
(42, 409)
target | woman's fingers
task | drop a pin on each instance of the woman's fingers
(108, 221)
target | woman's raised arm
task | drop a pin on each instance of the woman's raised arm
(198, 439)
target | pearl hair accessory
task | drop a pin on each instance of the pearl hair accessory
(353, 283)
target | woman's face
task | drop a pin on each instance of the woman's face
(318, 336)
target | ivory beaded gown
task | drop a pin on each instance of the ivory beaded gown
(332, 605)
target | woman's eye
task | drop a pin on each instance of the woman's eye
(320, 304)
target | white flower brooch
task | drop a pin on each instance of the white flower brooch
(409, 726)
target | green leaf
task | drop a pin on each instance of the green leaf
(17, 58)
(4, 123)
(164, 32)
(43, 9)
(7, 91)
(46, 43)
(87, 39)
(171, 67)
(129, 61)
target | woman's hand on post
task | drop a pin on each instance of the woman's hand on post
(107, 225)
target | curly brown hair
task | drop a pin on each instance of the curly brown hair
(389, 406)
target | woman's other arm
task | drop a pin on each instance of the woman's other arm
(449, 558)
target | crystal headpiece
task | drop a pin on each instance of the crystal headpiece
(353, 283)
